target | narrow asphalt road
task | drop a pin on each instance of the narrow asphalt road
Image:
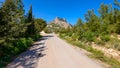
(56, 53)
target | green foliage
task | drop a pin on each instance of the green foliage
(94, 27)
(47, 30)
(117, 46)
(52, 27)
(79, 23)
(103, 10)
(11, 18)
(30, 16)
(40, 24)
(37, 36)
(114, 43)
(99, 42)
(14, 48)
(89, 36)
(29, 41)
(22, 44)
(62, 35)
(117, 27)
(89, 14)
(17, 31)
(34, 26)
(105, 38)
(97, 29)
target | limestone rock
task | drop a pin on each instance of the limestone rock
(61, 22)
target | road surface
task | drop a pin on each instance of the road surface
(56, 53)
(59, 54)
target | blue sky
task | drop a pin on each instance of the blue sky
(69, 9)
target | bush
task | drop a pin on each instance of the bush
(117, 46)
(47, 30)
(36, 37)
(61, 35)
(98, 54)
(22, 44)
(105, 38)
(99, 42)
(69, 34)
(4, 60)
(29, 41)
(14, 48)
(89, 36)
(115, 43)
(65, 35)
(7, 48)
(75, 36)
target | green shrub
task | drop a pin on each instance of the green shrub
(22, 44)
(1, 65)
(29, 41)
(75, 36)
(8, 48)
(98, 54)
(105, 38)
(37, 36)
(47, 30)
(4, 61)
(89, 48)
(16, 50)
(69, 34)
(117, 46)
(81, 46)
(99, 42)
(89, 36)
(61, 35)
(115, 43)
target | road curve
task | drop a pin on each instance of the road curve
(59, 54)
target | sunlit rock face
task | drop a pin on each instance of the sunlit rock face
(58, 24)
(61, 22)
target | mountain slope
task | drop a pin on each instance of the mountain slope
(57, 24)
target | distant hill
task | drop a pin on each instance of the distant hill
(60, 22)
(57, 24)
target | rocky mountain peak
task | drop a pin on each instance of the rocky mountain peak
(60, 19)
(61, 22)
(57, 24)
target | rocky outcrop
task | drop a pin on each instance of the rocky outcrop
(61, 22)
(57, 25)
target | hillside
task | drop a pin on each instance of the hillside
(57, 24)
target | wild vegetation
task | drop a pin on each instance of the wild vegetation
(52, 28)
(103, 30)
(17, 30)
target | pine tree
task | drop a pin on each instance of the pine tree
(117, 16)
(13, 14)
(89, 15)
(79, 23)
(103, 10)
(31, 26)
(30, 15)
